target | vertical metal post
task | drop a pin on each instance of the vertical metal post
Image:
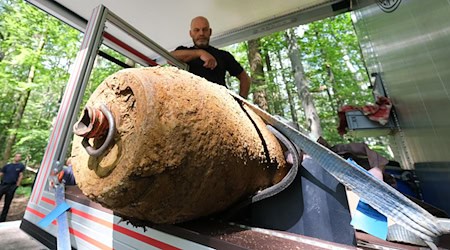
(61, 135)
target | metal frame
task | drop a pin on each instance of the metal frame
(79, 23)
(292, 19)
(61, 134)
(89, 224)
(59, 138)
(242, 33)
(92, 226)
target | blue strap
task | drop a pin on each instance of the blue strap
(60, 209)
(59, 213)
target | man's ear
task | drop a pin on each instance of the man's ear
(210, 31)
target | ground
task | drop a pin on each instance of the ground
(17, 208)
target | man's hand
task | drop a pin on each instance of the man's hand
(187, 55)
(210, 61)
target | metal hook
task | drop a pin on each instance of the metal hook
(109, 137)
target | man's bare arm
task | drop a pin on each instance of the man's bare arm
(19, 180)
(186, 55)
(245, 82)
(191, 54)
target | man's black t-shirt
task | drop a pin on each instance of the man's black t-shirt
(11, 172)
(225, 62)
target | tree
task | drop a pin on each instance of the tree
(39, 51)
(302, 83)
(289, 94)
(281, 80)
(322, 64)
(335, 69)
(274, 99)
(257, 74)
(22, 103)
(34, 71)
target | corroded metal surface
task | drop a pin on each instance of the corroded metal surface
(183, 149)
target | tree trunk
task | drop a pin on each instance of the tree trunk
(302, 83)
(7, 126)
(275, 95)
(357, 76)
(16, 124)
(338, 102)
(257, 74)
(2, 54)
(288, 91)
(330, 75)
(21, 107)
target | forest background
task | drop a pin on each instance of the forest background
(303, 74)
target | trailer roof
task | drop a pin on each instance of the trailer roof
(167, 22)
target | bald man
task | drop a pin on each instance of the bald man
(209, 62)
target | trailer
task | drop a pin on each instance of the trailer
(406, 56)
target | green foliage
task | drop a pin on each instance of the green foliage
(328, 45)
(24, 191)
(28, 178)
(22, 27)
(333, 65)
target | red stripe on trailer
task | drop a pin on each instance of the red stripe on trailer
(92, 218)
(126, 231)
(73, 231)
(129, 48)
(117, 228)
(49, 201)
(68, 95)
(39, 214)
(143, 238)
(88, 239)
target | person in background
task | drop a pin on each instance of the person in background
(66, 174)
(12, 174)
(209, 62)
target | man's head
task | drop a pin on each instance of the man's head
(200, 32)
(17, 158)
